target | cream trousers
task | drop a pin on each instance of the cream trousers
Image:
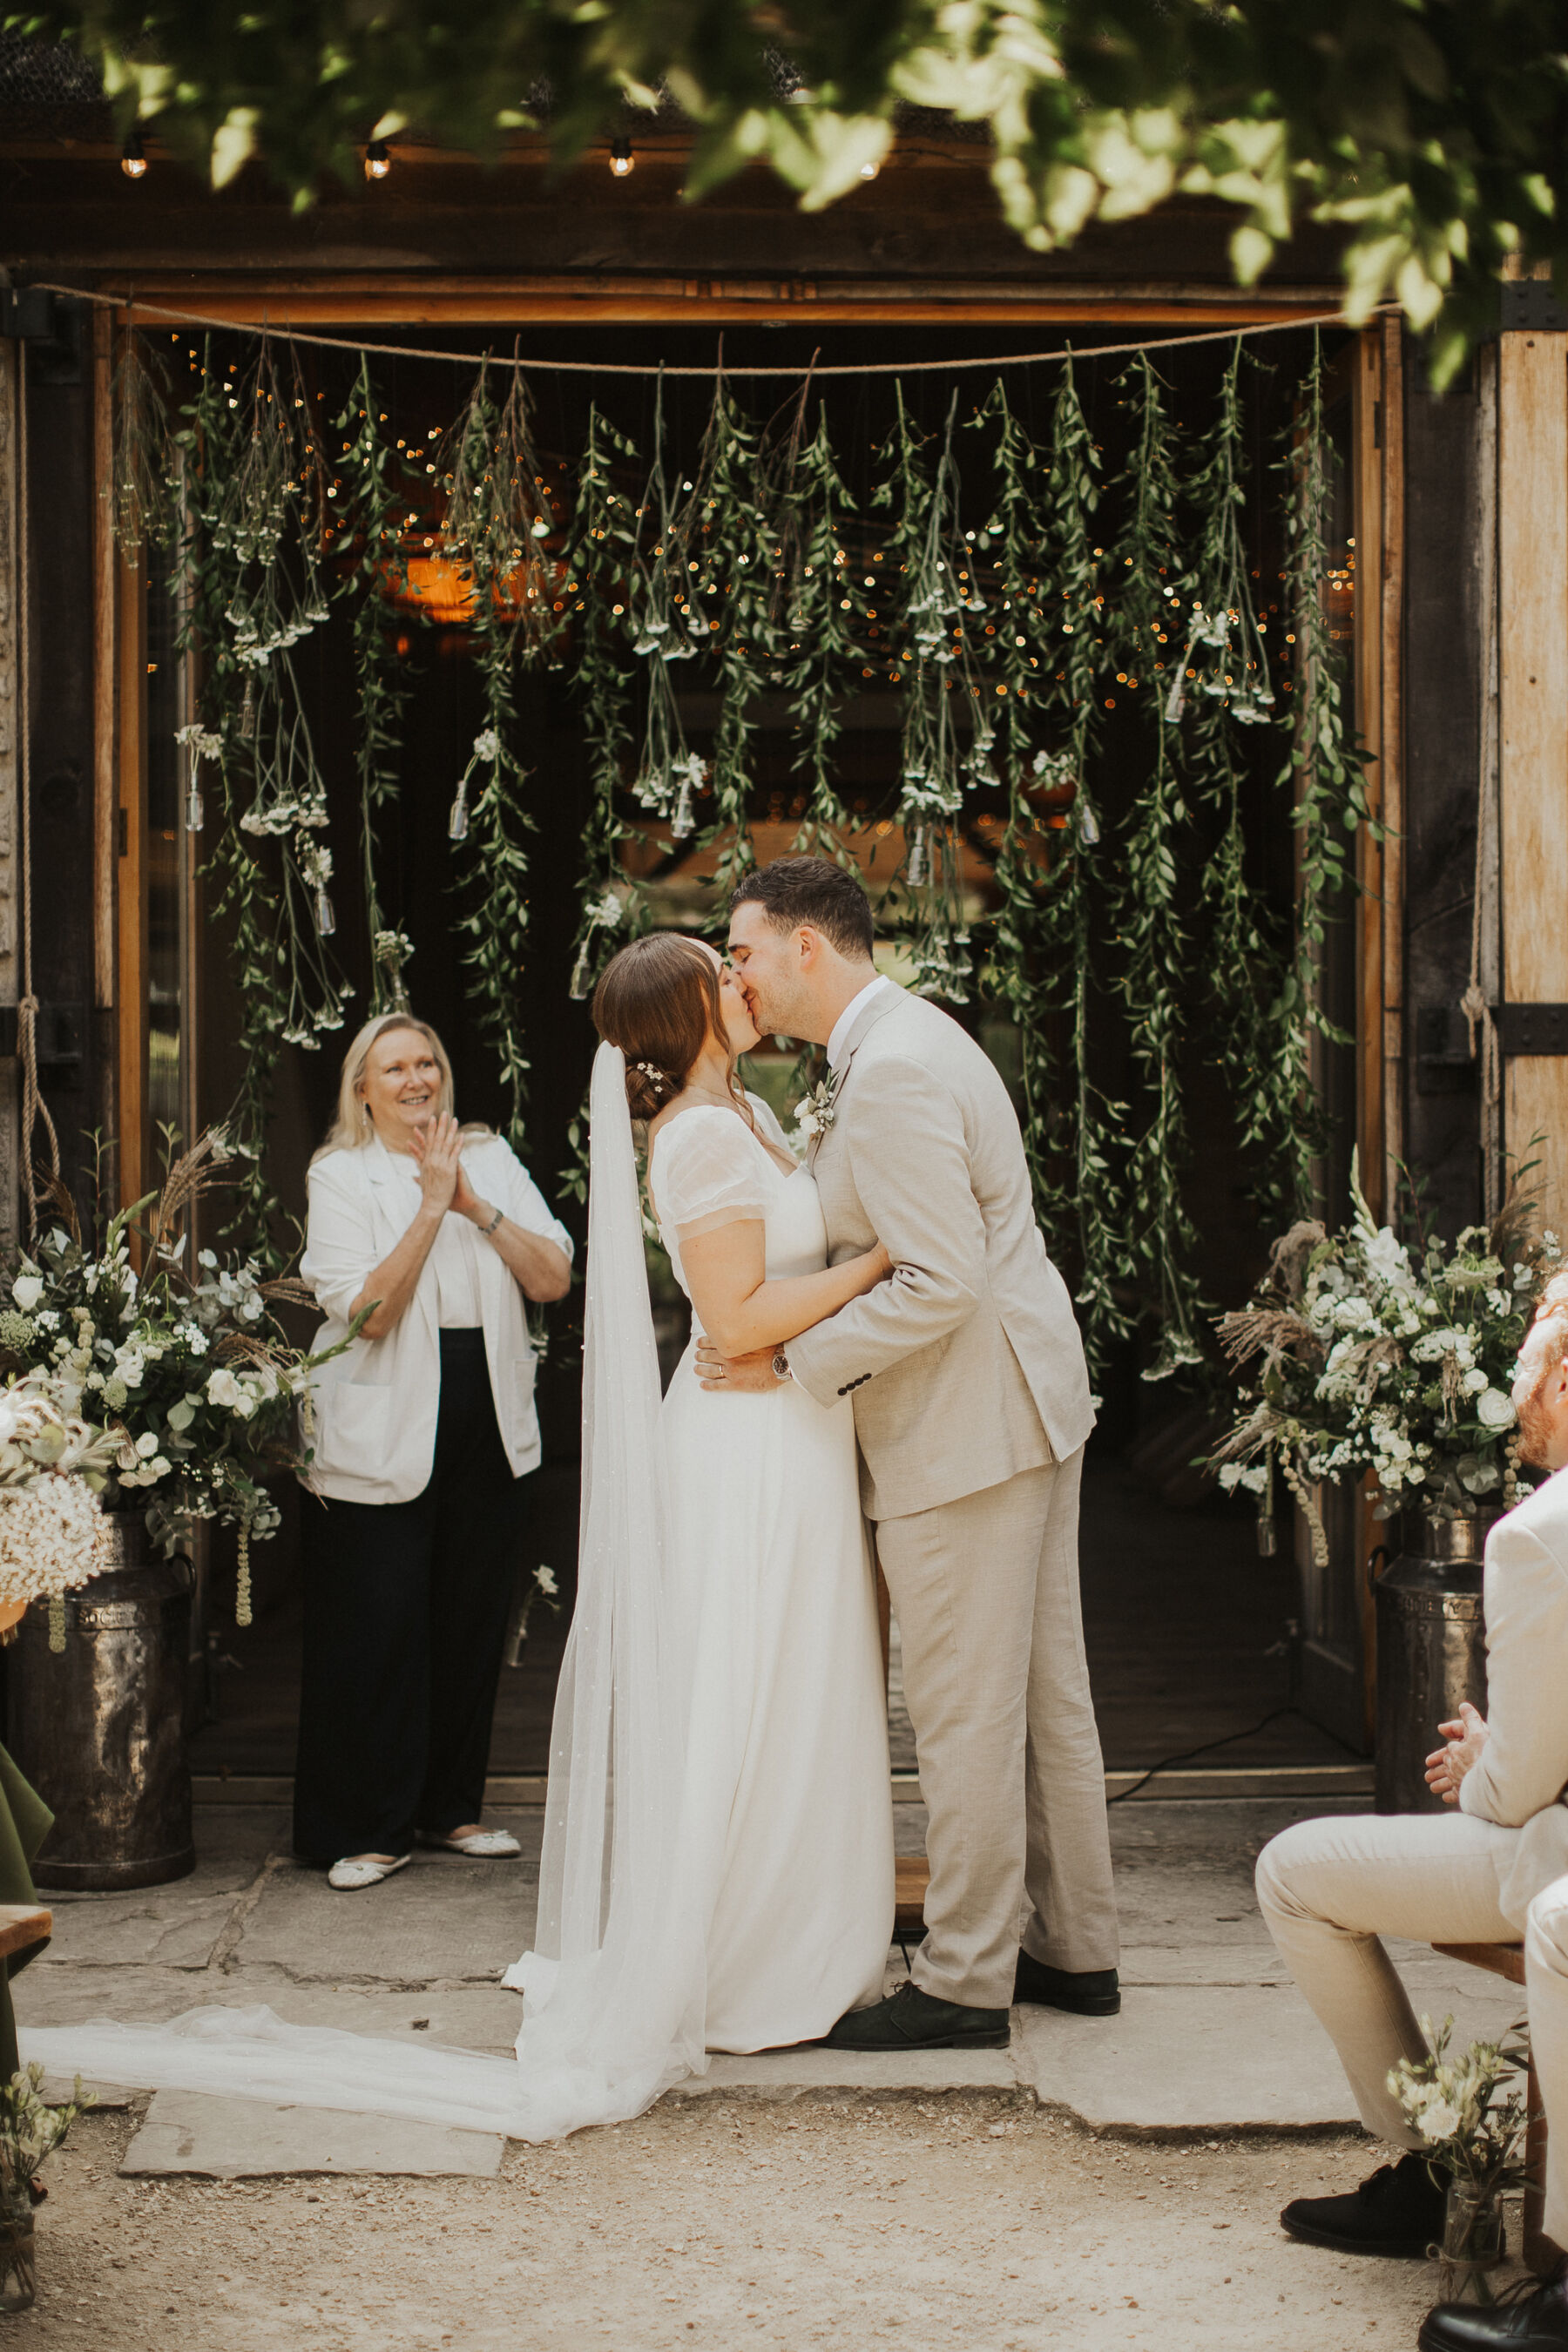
(986, 1595)
(1330, 1889)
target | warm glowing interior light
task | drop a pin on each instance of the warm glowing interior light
(870, 171)
(377, 160)
(622, 159)
(133, 157)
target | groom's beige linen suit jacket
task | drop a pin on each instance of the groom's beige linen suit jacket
(966, 1368)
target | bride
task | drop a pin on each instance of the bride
(717, 1870)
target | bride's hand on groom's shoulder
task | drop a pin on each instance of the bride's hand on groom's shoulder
(747, 1374)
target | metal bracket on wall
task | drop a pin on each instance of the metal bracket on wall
(1531, 1029)
(61, 1035)
(1529, 307)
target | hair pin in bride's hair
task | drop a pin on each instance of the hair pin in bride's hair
(656, 1077)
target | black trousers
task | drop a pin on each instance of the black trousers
(406, 1615)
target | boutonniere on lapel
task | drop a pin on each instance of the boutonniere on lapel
(814, 1112)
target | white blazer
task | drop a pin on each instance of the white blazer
(375, 1407)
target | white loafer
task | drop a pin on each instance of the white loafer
(484, 1846)
(358, 1870)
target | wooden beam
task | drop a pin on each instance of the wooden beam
(105, 826)
(385, 300)
(1367, 506)
(131, 823)
(1533, 565)
(1391, 747)
(12, 590)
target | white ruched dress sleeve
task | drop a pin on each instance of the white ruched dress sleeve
(707, 1170)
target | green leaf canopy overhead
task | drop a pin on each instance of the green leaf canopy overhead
(1433, 133)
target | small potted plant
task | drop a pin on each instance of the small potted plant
(30, 2130)
(1473, 2125)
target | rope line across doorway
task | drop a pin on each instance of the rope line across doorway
(162, 314)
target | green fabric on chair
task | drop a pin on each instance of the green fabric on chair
(25, 1822)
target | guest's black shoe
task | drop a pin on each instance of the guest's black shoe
(1397, 2211)
(912, 2020)
(1537, 2322)
(1088, 1993)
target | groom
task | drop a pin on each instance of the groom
(972, 1407)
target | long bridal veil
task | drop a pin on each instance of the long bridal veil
(613, 1990)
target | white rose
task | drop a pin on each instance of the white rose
(1438, 2121)
(146, 1444)
(224, 1389)
(1474, 1381)
(1494, 1410)
(27, 1291)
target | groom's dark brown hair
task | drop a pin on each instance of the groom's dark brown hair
(793, 890)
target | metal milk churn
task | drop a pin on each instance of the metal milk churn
(1431, 1650)
(99, 1727)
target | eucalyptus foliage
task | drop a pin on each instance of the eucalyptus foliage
(1432, 134)
(1096, 692)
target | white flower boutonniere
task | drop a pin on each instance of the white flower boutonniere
(814, 1113)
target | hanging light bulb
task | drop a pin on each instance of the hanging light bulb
(377, 160)
(870, 171)
(622, 159)
(134, 157)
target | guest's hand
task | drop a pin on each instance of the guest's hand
(1447, 1767)
(749, 1374)
(436, 1151)
(466, 1201)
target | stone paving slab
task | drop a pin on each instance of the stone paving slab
(1211, 2036)
(234, 2139)
(162, 1928)
(785, 2073)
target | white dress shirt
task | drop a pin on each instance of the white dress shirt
(856, 1005)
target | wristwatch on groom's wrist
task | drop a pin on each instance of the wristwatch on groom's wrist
(781, 1366)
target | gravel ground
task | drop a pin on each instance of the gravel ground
(972, 2223)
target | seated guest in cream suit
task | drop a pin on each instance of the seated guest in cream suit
(1492, 1871)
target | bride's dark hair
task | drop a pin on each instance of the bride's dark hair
(658, 1000)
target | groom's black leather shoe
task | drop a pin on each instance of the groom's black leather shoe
(1397, 2211)
(1537, 2323)
(1087, 1992)
(912, 2020)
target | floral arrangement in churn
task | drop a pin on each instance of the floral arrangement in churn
(185, 1368)
(1377, 1355)
(53, 1468)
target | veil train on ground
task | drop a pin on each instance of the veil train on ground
(614, 1986)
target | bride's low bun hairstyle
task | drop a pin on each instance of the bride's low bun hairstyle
(658, 1000)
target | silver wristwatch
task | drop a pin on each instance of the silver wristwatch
(781, 1366)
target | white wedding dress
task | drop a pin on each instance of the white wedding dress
(770, 1580)
(717, 1870)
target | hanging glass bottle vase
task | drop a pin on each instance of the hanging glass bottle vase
(326, 921)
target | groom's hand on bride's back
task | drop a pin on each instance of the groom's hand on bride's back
(745, 1372)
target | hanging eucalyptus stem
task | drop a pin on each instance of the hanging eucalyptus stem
(1144, 567)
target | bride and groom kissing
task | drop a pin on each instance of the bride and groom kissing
(882, 1353)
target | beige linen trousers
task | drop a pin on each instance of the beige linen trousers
(1493, 1871)
(972, 1408)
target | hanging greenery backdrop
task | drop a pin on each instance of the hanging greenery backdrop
(1009, 593)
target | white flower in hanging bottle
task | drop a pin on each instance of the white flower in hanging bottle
(486, 747)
